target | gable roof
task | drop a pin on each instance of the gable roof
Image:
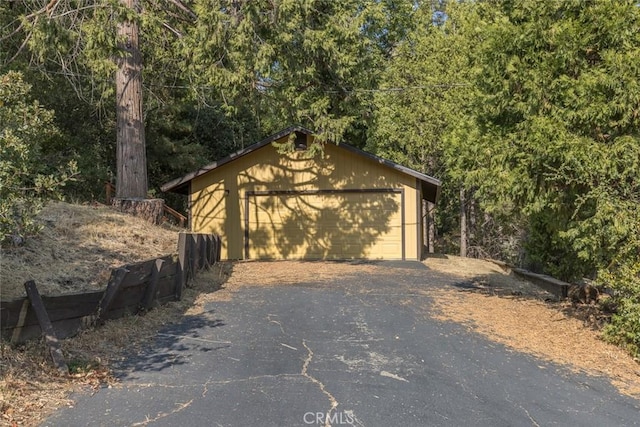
(430, 185)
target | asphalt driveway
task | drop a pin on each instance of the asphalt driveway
(361, 350)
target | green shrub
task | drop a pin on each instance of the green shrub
(26, 181)
(624, 282)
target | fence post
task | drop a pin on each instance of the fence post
(46, 326)
(203, 242)
(211, 249)
(193, 256)
(180, 271)
(150, 292)
(21, 318)
(117, 276)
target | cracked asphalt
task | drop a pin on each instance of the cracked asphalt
(361, 350)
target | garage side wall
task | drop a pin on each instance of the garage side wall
(219, 201)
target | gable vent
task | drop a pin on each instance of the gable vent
(300, 143)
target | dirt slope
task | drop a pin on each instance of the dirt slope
(78, 247)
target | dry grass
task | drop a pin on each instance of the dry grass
(78, 247)
(30, 388)
(564, 333)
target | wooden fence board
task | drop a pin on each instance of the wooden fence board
(180, 277)
(21, 321)
(113, 288)
(166, 287)
(212, 249)
(58, 307)
(548, 283)
(192, 255)
(152, 287)
(169, 267)
(130, 297)
(45, 325)
(64, 329)
(202, 251)
(141, 271)
(10, 311)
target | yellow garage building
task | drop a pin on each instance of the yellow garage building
(346, 204)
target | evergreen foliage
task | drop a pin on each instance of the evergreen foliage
(559, 112)
(25, 180)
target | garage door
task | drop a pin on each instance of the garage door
(324, 224)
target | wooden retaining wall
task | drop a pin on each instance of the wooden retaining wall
(131, 289)
(550, 284)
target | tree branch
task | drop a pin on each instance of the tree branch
(184, 8)
(173, 30)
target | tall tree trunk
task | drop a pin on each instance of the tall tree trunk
(431, 215)
(471, 223)
(131, 154)
(424, 216)
(428, 226)
(464, 232)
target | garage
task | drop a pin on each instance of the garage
(267, 203)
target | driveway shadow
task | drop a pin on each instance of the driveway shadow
(172, 346)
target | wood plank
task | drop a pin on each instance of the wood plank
(72, 305)
(115, 281)
(10, 311)
(138, 273)
(212, 249)
(180, 276)
(169, 267)
(58, 307)
(193, 256)
(204, 259)
(46, 326)
(125, 304)
(64, 329)
(219, 248)
(166, 287)
(152, 288)
(128, 304)
(141, 271)
(130, 297)
(548, 283)
(15, 337)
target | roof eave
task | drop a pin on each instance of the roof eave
(180, 185)
(431, 186)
